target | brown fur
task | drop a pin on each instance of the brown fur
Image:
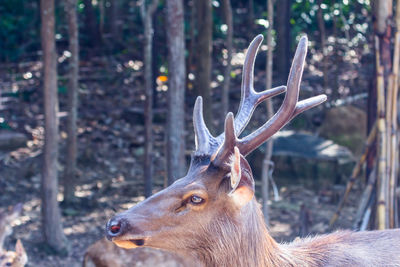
(248, 243)
(221, 233)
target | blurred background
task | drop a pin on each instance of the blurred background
(98, 95)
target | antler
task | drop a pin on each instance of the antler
(288, 110)
(290, 106)
(250, 99)
(221, 147)
(225, 150)
(203, 138)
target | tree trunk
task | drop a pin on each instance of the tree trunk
(147, 19)
(70, 170)
(270, 112)
(91, 29)
(192, 33)
(322, 36)
(203, 58)
(227, 72)
(115, 22)
(283, 39)
(176, 91)
(102, 17)
(51, 218)
(250, 19)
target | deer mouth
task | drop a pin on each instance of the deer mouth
(137, 242)
(129, 243)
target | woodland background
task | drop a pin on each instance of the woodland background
(99, 95)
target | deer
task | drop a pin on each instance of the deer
(17, 258)
(212, 216)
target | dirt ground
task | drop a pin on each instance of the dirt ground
(110, 156)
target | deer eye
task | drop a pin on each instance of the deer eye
(196, 200)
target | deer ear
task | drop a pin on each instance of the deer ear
(242, 182)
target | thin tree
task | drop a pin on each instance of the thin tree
(92, 30)
(102, 14)
(146, 13)
(115, 22)
(270, 112)
(51, 218)
(73, 87)
(203, 57)
(322, 36)
(250, 19)
(192, 36)
(228, 68)
(176, 90)
(283, 39)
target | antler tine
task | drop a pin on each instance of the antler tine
(203, 138)
(286, 111)
(249, 97)
(249, 104)
(308, 103)
(227, 148)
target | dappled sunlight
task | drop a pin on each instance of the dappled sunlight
(238, 59)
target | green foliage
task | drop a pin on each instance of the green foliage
(62, 89)
(20, 23)
(348, 15)
(5, 126)
(19, 31)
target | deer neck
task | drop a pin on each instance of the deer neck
(243, 241)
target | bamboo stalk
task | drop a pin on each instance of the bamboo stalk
(397, 193)
(354, 174)
(367, 215)
(365, 199)
(382, 148)
(389, 150)
(393, 134)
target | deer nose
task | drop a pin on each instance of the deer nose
(115, 227)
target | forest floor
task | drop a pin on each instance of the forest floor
(111, 141)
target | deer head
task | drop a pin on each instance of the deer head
(215, 200)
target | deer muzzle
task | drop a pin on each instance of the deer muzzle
(121, 233)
